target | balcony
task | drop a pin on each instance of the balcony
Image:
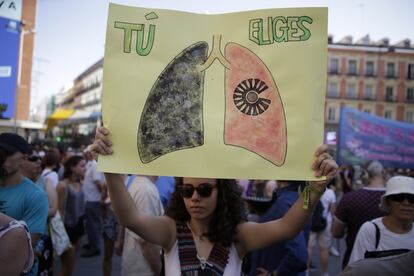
(333, 71)
(389, 98)
(352, 73)
(351, 97)
(368, 98)
(370, 74)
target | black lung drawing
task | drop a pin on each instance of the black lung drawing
(172, 118)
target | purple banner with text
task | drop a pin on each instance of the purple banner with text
(365, 137)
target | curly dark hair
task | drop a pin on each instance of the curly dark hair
(229, 212)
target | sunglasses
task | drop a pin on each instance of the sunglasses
(203, 190)
(33, 158)
(402, 197)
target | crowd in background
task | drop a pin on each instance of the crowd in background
(359, 203)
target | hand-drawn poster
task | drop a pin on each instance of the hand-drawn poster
(364, 137)
(235, 95)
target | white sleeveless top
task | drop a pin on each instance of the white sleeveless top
(173, 268)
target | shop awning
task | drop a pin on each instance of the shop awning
(58, 115)
(81, 116)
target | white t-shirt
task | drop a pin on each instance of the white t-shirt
(365, 240)
(146, 198)
(51, 176)
(90, 189)
(327, 199)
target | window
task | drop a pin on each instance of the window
(351, 91)
(334, 66)
(352, 67)
(390, 70)
(389, 93)
(331, 114)
(410, 71)
(410, 94)
(333, 91)
(369, 92)
(409, 117)
(369, 68)
(388, 114)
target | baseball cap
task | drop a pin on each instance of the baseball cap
(397, 185)
(11, 143)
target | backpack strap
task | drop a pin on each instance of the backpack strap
(377, 235)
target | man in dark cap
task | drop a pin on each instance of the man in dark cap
(20, 198)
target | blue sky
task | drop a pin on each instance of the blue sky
(70, 34)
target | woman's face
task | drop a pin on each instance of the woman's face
(200, 197)
(80, 168)
(401, 206)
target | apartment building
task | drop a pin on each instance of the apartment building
(372, 76)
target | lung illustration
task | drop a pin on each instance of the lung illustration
(172, 118)
(254, 117)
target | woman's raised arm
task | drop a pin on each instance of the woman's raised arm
(158, 230)
(254, 236)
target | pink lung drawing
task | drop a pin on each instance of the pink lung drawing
(255, 117)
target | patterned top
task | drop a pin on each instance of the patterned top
(354, 209)
(20, 224)
(190, 263)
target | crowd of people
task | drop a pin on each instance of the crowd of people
(162, 225)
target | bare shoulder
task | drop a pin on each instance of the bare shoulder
(61, 185)
(4, 219)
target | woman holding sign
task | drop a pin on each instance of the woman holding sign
(204, 230)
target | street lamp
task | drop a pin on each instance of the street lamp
(19, 66)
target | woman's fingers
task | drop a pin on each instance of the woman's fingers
(321, 149)
(102, 144)
(324, 165)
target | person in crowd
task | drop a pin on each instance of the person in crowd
(401, 265)
(32, 168)
(71, 206)
(20, 198)
(140, 257)
(92, 188)
(50, 162)
(204, 230)
(286, 257)
(110, 231)
(395, 230)
(89, 157)
(346, 175)
(165, 186)
(16, 253)
(323, 238)
(258, 188)
(359, 206)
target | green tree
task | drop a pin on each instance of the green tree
(3, 108)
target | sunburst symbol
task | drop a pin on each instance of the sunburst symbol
(246, 97)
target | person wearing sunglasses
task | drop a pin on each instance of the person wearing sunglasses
(32, 168)
(394, 232)
(204, 231)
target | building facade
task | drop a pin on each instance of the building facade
(27, 45)
(373, 77)
(84, 96)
